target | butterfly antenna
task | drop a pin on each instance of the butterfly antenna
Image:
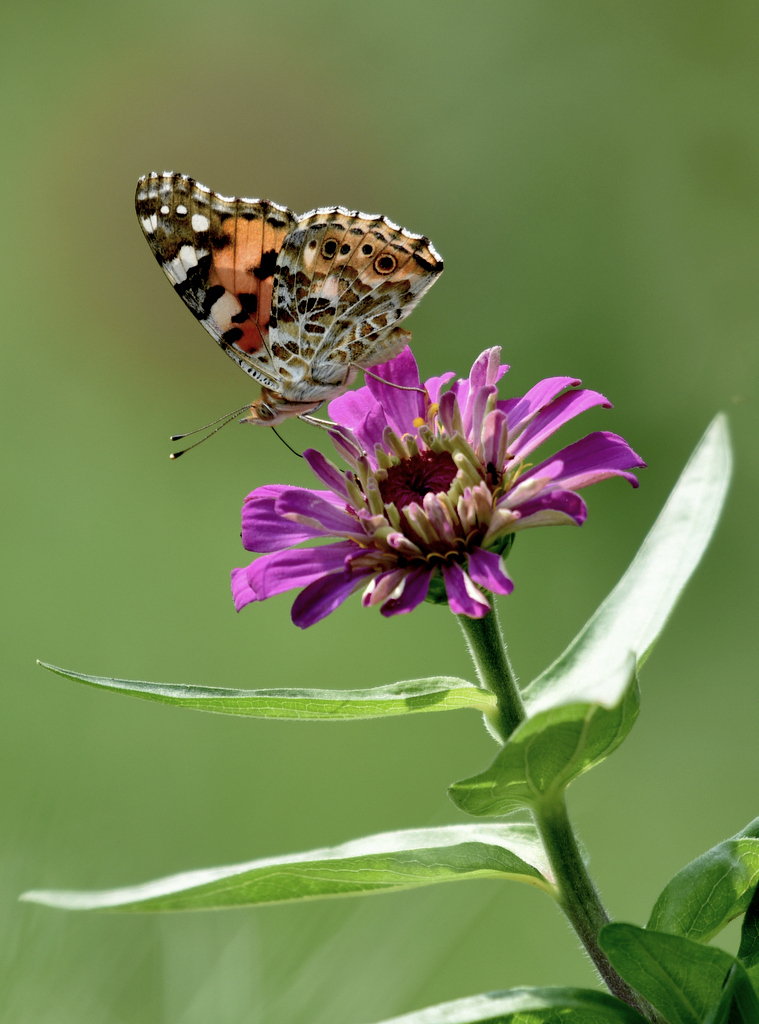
(226, 417)
(224, 421)
(300, 456)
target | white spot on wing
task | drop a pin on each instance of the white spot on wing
(224, 309)
(165, 210)
(200, 223)
(181, 210)
(188, 257)
(149, 224)
(175, 271)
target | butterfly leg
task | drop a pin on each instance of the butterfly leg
(334, 428)
(390, 384)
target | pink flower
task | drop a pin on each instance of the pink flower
(437, 489)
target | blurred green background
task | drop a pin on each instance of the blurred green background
(589, 171)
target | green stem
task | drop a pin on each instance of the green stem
(488, 650)
(579, 899)
(577, 896)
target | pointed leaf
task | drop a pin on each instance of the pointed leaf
(738, 1004)
(633, 615)
(582, 707)
(380, 863)
(550, 749)
(682, 979)
(438, 693)
(710, 891)
(528, 1006)
(748, 953)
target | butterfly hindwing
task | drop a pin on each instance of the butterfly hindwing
(345, 281)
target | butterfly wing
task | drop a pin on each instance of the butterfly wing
(220, 254)
(344, 283)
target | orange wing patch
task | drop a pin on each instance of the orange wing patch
(220, 255)
(244, 250)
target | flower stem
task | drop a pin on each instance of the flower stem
(488, 650)
(577, 896)
(579, 899)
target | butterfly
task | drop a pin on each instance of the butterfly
(301, 303)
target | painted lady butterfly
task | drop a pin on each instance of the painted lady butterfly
(300, 303)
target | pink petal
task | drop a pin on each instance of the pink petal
(434, 385)
(521, 410)
(381, 587)
(285, 570)
(485, 372)
(414, 592)
(566, 506)
(401, 407)
(463, 597)
(327, 473)
(371, 429)
(263, 529)
(479, 406)
(596, 457)
(449, 414)
(486, 368)
(242, 593)
(311, 509)
(555, 415)
(488, 569)
(349, 409)
(324, 595)
(494, 439)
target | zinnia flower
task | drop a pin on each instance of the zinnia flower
(437, 489)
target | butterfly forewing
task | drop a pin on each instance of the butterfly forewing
(220, 254)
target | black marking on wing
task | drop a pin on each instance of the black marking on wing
(268, 265)
(431, 268)
(194, 290)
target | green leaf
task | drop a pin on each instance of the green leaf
(581, 708)
(550, 749)
(634, 613)
(528, 1006)
(380, 863)
(710, 891)
(682, 979)
(738, 1004)
(438, 693)
(748, 953)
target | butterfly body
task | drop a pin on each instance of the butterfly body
(301, 303)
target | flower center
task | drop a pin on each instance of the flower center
(412, 478)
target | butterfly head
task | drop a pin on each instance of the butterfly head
(272, 409)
